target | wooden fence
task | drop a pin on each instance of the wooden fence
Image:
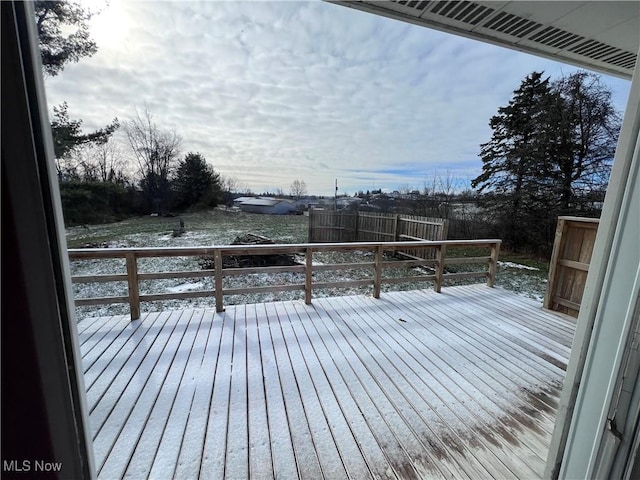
(331, 226)
(572, 249)
(133, 276)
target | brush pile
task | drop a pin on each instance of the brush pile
(248, 261)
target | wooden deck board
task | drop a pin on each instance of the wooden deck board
(214, 450)
(186, 441)
(314, 405)
(399, 391)
(135, 415)
(282, 453)
(416, 363)
(345, 389)
(260, 458)
(462, 384)
(503, 363)
(380, 415)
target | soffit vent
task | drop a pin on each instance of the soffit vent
(465, 11)
(624, 60)
(449, 9)
(511, 25)
(418, 5)
(555, 37)
(478, 16)
(593, 49)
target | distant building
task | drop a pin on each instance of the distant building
(239, 200)
(271, 206)
(307, 203)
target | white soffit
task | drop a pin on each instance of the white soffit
(598, 35)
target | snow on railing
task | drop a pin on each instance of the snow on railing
(133, 276)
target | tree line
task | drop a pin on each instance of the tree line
(95, 178)
(103, 180)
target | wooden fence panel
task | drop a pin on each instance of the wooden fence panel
(327, 226)
(331, 226)
(375, 227)
(414, 227)
(569, 266)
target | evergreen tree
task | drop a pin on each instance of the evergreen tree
(63, 37)
(63, 33)
(196, 184)
(549, 155)
(68, 136)
(512, 159)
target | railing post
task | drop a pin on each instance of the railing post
(493, 264)
(217, 259)
(132, 281)
(441, 253)
(377, 280)
(308, 275)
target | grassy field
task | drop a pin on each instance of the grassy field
(216, 227)
(220, 227)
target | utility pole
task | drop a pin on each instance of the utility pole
(335, 197)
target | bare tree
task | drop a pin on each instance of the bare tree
(234, 185)
(585, 141)
(230, 184)
(406, 191)
(448, 185)
(103, 162)
(156, 152)
(426, 204)
(298, 189)
(110, 161)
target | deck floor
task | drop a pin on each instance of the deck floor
(462, 384)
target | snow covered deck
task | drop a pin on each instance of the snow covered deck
(461, 384)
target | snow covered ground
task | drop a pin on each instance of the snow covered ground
(220, 227)
(516, 265)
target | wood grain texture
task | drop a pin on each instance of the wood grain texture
(463, 384)
(572, 250)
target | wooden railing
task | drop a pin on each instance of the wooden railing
(569, 265)
(133, 276)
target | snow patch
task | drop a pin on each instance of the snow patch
(186, 287)
(301, 260)
(516, 265)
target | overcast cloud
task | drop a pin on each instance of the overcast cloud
(270, 92)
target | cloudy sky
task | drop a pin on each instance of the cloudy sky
(270, 92)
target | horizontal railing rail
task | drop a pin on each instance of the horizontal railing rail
(133, 276)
